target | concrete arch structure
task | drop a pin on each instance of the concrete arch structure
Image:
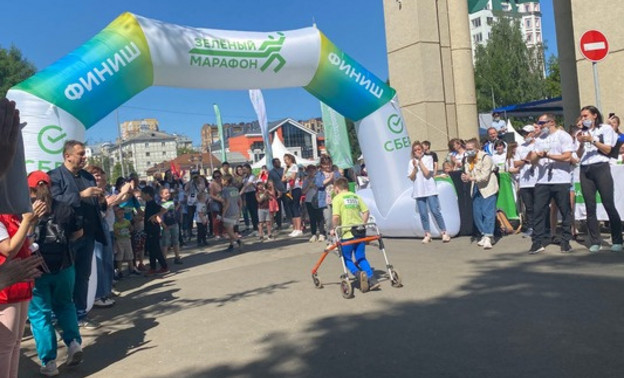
(134, 53)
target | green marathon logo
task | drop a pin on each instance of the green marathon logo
(395, 125)
(51, 139)
(238, 54)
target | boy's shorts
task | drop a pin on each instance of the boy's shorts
(170, 236)
(124, 250)
(264, 215)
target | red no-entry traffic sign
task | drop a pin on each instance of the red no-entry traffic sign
(594, 45)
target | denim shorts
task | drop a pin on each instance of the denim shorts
(170, 236)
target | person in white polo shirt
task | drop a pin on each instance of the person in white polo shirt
(552, 153)
(595, 142)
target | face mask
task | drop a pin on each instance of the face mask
(528, 139)
(587, 122)
(471, 153)
(545, 131)
(496, 119)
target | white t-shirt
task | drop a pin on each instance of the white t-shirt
(421, 186)
(605, 134)
(4, 234)
(251, 188)
(527, 177)
(293, 171)
(550, 171)
(499, 161)
(499, 125)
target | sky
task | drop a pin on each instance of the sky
(45, 31)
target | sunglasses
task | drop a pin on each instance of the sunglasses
(542, 122)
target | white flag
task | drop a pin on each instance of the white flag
(258, 103)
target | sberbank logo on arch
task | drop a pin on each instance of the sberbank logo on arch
(239, 54)
(395, 125)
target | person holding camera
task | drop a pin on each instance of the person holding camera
(53, 292)
(595, 143)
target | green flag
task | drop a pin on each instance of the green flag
(220, 128)
(336, 138)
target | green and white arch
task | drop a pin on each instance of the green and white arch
(133, 53)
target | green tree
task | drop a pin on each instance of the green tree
(116, 173)
(356, 151)
(13, 69)
(506, 71)
(103, 162)
(186, 150)
(553, 78)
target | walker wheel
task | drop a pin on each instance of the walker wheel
(395, 279)
(346, 288)
(317, 282)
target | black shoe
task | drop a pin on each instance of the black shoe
(177, 261)
(240, 244)
(556, 240)
(230, 248)
(373, 284)
(565, 247)
(536, 248)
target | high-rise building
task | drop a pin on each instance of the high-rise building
(132, 128)
(483, 13)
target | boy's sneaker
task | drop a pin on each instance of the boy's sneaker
(321, 238)
(363, 278)
(313, 239)
(177, 261)
(49, 369)
(373, 284)
(565, 247)
(74, 354)
(536, 248)
(87, 323)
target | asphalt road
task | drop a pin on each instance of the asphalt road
(463, 312)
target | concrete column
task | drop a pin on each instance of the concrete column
(567, 60)
(463, 70)
(430, 66)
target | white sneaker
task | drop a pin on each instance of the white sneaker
(446, 238)
(49, 369)
(297, 233)
(481, 242)
(321, 238)
(426, 239)
(74, 354)
(292, 233)
(255, 233)
(313, 239)
(487, 244)
(103, 302)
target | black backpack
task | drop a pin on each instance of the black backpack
(53, 244)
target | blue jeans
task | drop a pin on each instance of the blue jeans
(105, 265)
(484, 212)
(83, 252)
(360, 258)
(53, 292)
(434, 206)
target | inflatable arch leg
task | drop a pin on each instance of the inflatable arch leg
(133, 53)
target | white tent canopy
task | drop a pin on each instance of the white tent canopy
(279, 150)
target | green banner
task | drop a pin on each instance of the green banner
(506, 198)
(336, 138)
(220, 128)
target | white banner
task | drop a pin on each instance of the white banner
(255, 95)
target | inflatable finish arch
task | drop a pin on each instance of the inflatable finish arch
(133, 53)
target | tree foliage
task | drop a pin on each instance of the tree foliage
(186, 150)
(13, 69)
(506, 69)
(553, 78)
(356, 151)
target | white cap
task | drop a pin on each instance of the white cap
(528, 128)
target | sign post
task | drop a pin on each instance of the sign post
(594, 47)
